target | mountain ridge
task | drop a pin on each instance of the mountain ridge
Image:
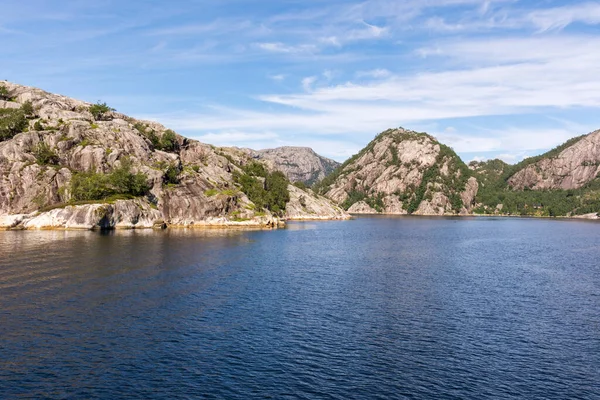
(406, 172)
(300, 164)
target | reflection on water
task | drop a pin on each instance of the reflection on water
(370, 308)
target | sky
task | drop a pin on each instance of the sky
(495, 78)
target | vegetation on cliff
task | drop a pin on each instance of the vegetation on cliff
(267, 190)
(12, 122)
(122, 182)
(496, 196)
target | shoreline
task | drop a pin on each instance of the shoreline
(13, 223)
(586, 217)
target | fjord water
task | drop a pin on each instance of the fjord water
(376, 307)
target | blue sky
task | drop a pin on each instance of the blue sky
(490, 78)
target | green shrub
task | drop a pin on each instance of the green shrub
(354, 196)
(99, 110)
(44, 155)
(271, 194)
(149, 134)
(255, 169)
(38, 125)
(121, 182)
(168, 141)
(300, 185)
(27, 109)
(276, 186)
(171, 176)
(90, 186)
(12, 121)
(5, 94)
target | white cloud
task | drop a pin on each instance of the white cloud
(499, 77)
(330, 40)
(329, 74)
(477, 159)
(368, 32)
(234, 138)
(278, 47)
(515, 139)
(560, 17)
(512, 158)
(374, 73)
(278, 77)
(308, 82)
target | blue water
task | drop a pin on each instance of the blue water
(377, 308)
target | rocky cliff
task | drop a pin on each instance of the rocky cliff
(561, 182)
(300, 164)
(65, 163)
(571, 166)
(403, 172)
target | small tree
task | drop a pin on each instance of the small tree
(168, 141)
(171, 175)
(44, 155)
(99, 110)
(27, 109)
(5, 94)
(12, 121)
(124, 181)
(276, 185)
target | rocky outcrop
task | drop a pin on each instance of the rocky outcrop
(299, 164)
(305, 205)
(571, 168)
(403, 172)
(191, 183)
(124, 214)
(361, 207)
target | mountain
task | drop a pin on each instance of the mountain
(65, 163)
(562, 182)
(406, 172)
(403, 172)
(570, 166)
(299, 164)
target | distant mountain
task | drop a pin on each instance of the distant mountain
(403, 172)
(65, 163)
(570, 166)
(561, 182)
(299, 164)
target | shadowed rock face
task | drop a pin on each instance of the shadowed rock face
(204, 195)
(299, 164)
(403, 172)
(572, 168)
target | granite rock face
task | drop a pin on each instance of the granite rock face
(35, 195)
(572, 168)
(305, 205)
(299, 164)
(403, 172)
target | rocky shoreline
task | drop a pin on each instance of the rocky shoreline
(590, 216)
(75, 165)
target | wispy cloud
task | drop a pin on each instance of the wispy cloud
(374, 73)
(278, 47)
(561, 17)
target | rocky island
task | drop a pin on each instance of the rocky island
(68, 164)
